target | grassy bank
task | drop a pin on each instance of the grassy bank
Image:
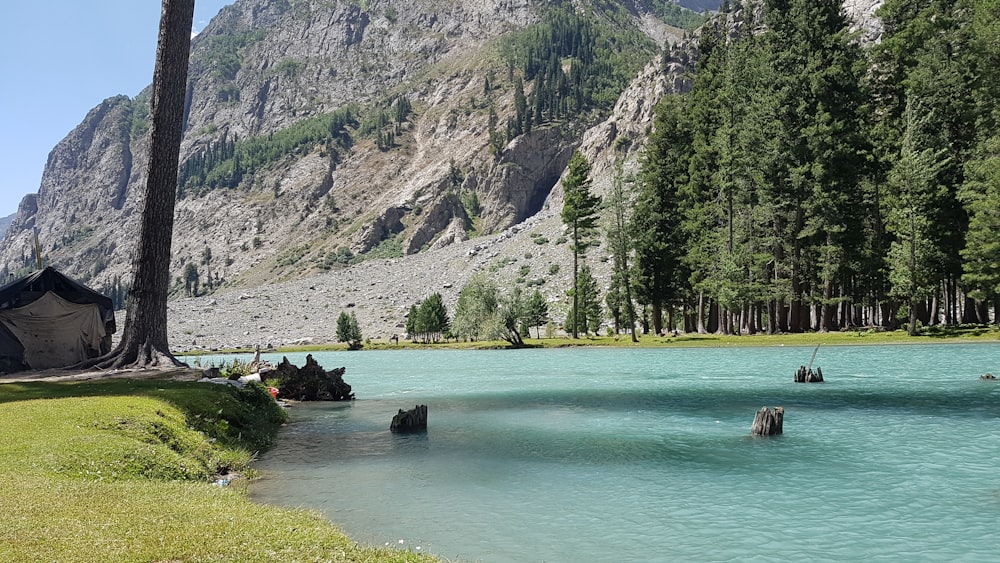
(122, 470)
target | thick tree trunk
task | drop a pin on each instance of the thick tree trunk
(888, 315)
(576, 281)
(826, 309)
(701, 313)
(657, 318)
(144, 340)
(969, 311)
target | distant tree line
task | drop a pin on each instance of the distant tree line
(806, 184)
(483, 313)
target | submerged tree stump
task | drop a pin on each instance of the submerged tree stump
(767, 422)
(413, 420)
(807, 375)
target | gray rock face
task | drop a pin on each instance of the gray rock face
(5, 223)
(258, 68)
(261, 66)
(862, 13)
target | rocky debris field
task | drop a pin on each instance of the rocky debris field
(379, 292)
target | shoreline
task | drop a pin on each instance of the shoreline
(853, 338)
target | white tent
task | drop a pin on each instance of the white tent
(48, 320)
(56, 332)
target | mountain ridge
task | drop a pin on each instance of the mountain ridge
(303, 216)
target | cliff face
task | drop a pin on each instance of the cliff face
(262, 66)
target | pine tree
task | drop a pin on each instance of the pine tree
(191, 277)
(579, 213)
(820, 100)
(432, 318)
(620, 203)
(588, 297)
(411, 322)
(914, 194)
(980, 193)
(537, 311)
(656, 225)
(348, 330)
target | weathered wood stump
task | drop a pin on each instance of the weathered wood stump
(987, 377)
(413, 420)
(311, 382)
(807, 375)
(767, 422)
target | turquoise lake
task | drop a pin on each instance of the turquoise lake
(645, 455)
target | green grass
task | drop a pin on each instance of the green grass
(929, 335)
(121, 470)
(843, 338)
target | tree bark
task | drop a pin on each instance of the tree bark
(768, 422)
(701, 313)
(144, 340)
(657, 318)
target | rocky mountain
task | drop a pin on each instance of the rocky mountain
(4, 223)
(320, 134)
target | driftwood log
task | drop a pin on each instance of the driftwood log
(311, 382)
(807, 375)
(413, 420)
(768, 422)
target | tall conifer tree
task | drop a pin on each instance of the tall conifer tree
(579, 213)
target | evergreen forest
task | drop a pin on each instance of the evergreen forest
(811, 182)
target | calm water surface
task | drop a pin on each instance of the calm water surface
(644, 455)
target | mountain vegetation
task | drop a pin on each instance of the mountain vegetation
(808, 184)
(227, 162)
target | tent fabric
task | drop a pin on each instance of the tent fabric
(25, 290)
(55, 332)
(11, 352)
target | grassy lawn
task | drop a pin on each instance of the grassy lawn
(122, 470)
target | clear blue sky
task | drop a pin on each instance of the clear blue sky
(58, 60)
